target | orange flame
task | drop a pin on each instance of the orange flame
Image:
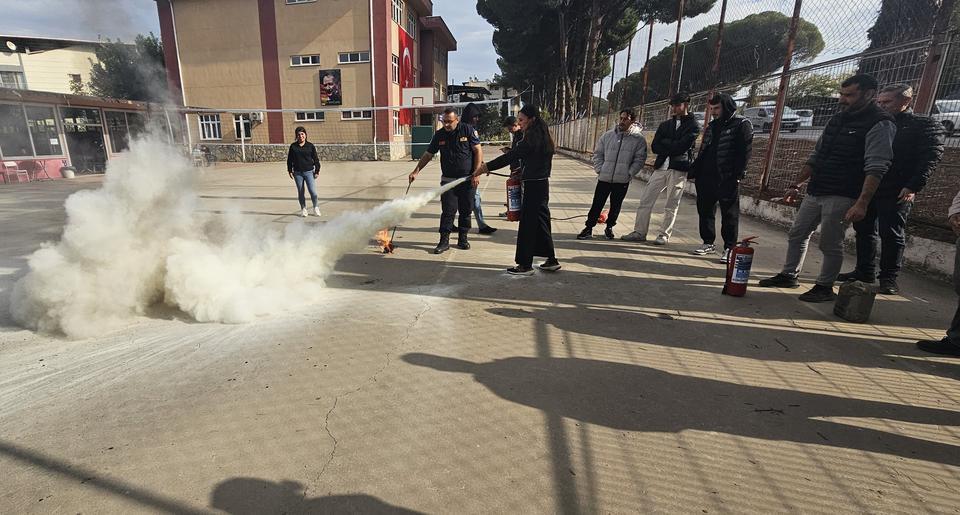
(384, 241)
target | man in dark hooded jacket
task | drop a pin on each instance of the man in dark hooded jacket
(717, 172)
(471, 115)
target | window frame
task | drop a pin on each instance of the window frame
(242, 121)
(395, 68)
(348, 116)
(297, 2)
(359, 54)
(319, 116)
(397, 8)
(301, 63)
(217, 124)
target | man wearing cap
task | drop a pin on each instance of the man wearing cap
(673, 143)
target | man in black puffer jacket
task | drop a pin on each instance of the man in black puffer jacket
(917, 148)
(717, 172)
(846, 167)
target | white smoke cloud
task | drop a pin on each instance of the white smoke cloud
(140, 240)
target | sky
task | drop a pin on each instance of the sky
(844, 29)
(88, 19)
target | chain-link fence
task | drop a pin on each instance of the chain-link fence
(892, 41)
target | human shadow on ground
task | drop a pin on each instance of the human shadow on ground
(594, 303)
(638, 398)
(253, 496)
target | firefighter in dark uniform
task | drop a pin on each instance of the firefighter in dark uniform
(460, 156)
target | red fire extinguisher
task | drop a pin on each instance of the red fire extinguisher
(514, 197)
(738, 268)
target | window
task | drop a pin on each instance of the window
(354, 57)
(356, 115)
(13, 128)
(397, 128)
(43, 129)
(304, 60)
(210, 126)
(289, 2)
(118, 130)
(395, 69)
(411, 23)
(398, 12)
(241, 122)
(436, 92)
(310, 116)
(13, 80)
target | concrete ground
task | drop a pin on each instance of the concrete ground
(624, 383)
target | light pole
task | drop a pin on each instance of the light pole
(683, 54)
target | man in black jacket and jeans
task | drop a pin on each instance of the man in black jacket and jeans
(917, 148)
(717, 172)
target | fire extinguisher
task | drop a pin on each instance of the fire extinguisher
(514, 197)
(738, 268)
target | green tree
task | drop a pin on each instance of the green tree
(562, 47)
(814, 85)
(131, 72)
(753, 47)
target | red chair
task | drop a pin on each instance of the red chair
(11, 170)
(36, 170)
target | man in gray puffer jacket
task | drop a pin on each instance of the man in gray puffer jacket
(618, 158)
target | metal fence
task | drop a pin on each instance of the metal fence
(778, 155)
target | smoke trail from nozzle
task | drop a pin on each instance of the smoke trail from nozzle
(140, 240)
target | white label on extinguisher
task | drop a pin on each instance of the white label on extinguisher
(741, 268)
(513, 198)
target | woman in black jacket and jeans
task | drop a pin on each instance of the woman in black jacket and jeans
(534, 155)
(303, 166)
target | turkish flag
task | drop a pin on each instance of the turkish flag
(406, 72)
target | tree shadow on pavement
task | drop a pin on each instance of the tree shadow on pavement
(638, 398)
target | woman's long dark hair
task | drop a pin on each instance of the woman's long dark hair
(537, 134)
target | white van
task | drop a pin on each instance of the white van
(947, 112)
(806, 117)
(762, 118)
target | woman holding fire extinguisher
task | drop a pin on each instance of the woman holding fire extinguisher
(534, 155)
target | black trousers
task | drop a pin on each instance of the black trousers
(708, 197)
(616, 192)
(457, 200)
(534, 237)
(886, 221)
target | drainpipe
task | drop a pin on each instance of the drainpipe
(373, 87)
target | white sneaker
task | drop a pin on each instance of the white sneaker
(634, 236)
(316, 211)
(703, 250)
(725, 258)
(303, 213)
(661, 240)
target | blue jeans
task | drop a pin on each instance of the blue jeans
(477, 210)
(305, 178)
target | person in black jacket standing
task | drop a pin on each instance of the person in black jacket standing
(673, 143)
(917, 148)
(717, 172)
(846, 167)
(534, 154)
(303, 166)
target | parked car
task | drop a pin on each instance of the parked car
(762, 118)
(806, 117)
(947, 112)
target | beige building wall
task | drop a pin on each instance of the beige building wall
(50, 70)
(220, 59)
(324, 28)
